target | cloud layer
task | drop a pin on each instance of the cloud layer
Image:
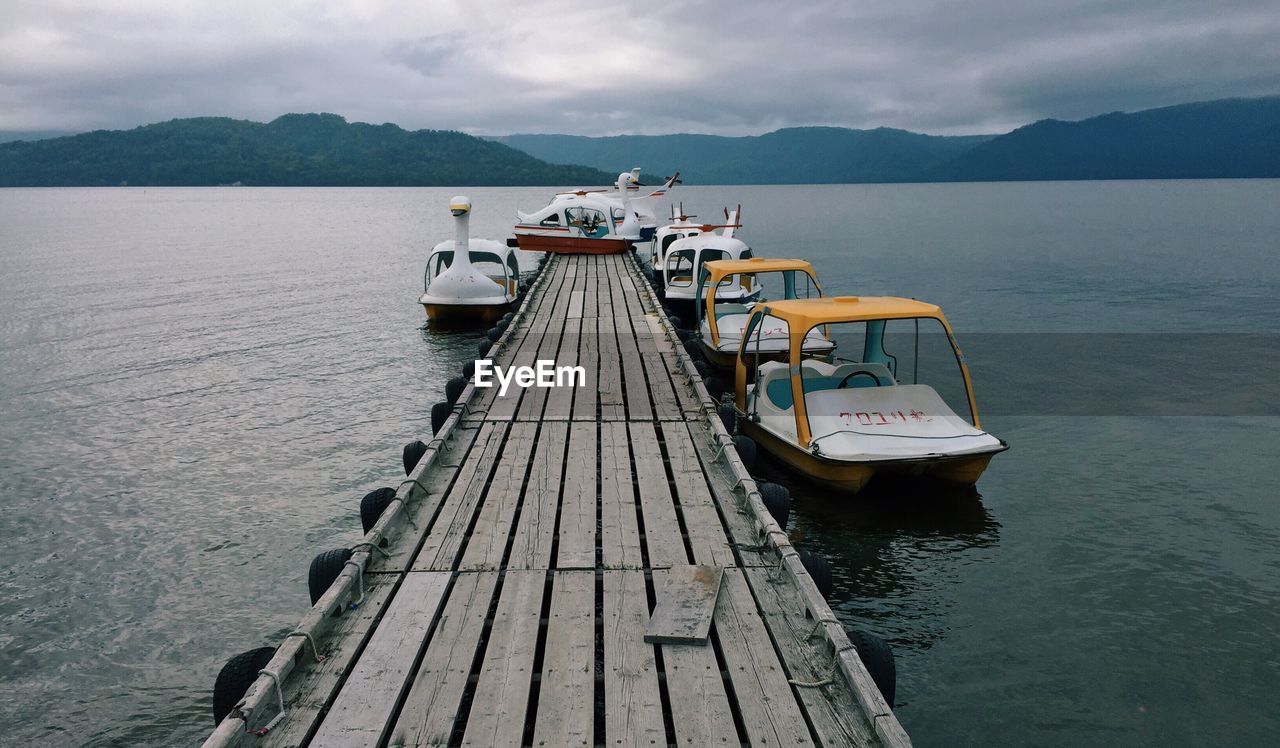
(605, 67)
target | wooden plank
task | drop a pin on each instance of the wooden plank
(566, 714)
(502, 692)
(633, 707)
(707, 535)
(613, 401)
(440, 549)
(635, 384)
(548, 349)
(312, 684)
(577, 536)
(619, 526)
(663, 389)
(834, 712)
(768, 708)
(663, 539)
(488, 541)
(738, 518)
(559, 402)
(504, 407)
(576, 301)
(586, 399)
(436, 693)
(700, 710)
(535, 530)
(359, 715)
(685, 606)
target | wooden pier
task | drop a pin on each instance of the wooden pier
(502, 599)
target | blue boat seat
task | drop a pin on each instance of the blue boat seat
(777, 384)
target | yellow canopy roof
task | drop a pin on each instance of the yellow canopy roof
(810, 312)
(719, 269)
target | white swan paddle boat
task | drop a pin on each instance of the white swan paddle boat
(677, 227)
(684, 259)
(592, 221)
(726, 288)
(469, 281)
(841, 421)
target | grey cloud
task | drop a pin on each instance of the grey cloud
(614, 66)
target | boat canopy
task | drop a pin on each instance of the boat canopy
(716, 271)
(808, 313)
(795, 318)
(719, 269)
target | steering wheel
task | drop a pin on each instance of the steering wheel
(855, 373)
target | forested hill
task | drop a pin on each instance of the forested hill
(1223, 138)
(1209, 139)
(296, 149)
(795, 155)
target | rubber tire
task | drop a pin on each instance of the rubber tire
(373, 505)
(715, 388)
(483, 347)
(501, 325)
(684, 334)
(694, 349)
(469, 370)
(777, 499)
(746, 447)
(325, 568)
(439, 414)
(878, 659)
(728, 417)
(508, 317)
(819, 570)
(412, 455)
(675, 321)
(704, 369)
(235, 677)
(453, 389)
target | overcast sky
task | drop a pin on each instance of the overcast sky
(644, 66)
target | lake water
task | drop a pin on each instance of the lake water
(197, 386)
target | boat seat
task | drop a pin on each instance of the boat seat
(777, 382)
(723, 310)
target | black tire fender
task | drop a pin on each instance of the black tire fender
(819, 571)
(877, 658)
(777, 499)
(235, 677)
(439, 414)
(373, 505)
(325, 568)
(413, 452)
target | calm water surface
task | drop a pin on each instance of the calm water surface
(197, 385)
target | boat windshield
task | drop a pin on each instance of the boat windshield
(489, 264)
(593, 223)
(680, 267)
(884, 353)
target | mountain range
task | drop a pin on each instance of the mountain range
(296, 149)
(1224, 138)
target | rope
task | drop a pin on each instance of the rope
(817, 627)
(314, 650)
(811, 684)
(261, 731)
(415, 482)
(373, 547)
(359, 582)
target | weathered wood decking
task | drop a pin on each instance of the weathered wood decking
(504, 596)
